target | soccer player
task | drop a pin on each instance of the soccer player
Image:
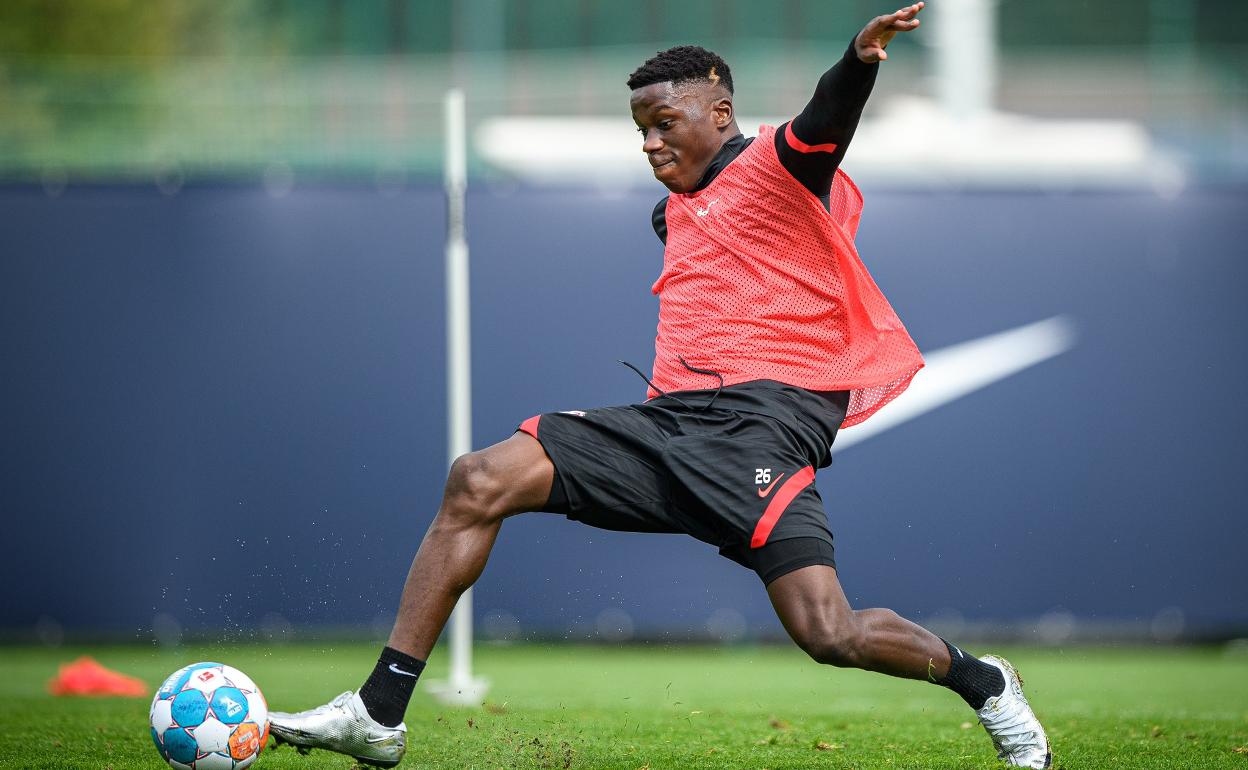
(771, 337)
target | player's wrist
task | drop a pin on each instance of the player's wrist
(852, 55)
(856, 52)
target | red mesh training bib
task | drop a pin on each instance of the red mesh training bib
(760, 283)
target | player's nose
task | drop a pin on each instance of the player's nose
(652, 143)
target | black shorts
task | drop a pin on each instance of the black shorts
(737, 472)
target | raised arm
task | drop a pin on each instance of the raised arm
(812, 145)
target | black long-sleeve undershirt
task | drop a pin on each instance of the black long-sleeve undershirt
(830, 117)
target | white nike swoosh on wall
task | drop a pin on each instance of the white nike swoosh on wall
(958, 370)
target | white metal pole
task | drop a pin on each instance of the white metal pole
(965, 33)
(461, 688)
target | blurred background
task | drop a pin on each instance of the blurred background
(222, 329)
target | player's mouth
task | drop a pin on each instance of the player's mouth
(656, 167)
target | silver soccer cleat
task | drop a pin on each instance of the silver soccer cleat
(342, 725)
(1012, 725)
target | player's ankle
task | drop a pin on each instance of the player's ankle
(389, 688)
(971, 678)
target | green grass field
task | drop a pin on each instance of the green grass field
(656, 707)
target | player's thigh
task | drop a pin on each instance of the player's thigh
(510, 477)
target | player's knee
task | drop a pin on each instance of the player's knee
(837, 644)
(474, 489)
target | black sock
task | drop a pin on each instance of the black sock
(390, 686)
(970, 677)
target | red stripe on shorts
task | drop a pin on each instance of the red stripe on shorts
(784, 496)
(529, 426)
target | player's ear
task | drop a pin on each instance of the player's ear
(721, 109)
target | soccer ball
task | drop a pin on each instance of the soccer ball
(209, 716)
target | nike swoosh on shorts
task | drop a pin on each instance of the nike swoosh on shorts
(767, 490)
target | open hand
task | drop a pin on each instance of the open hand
(875, 37)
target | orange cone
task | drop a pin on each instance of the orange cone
(87, 677)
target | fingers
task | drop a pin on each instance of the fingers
(906, 15)
(910, 11)
(902, 20)
(903, 15)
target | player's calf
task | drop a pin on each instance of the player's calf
(841, 644)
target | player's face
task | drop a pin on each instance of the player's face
(682, 128)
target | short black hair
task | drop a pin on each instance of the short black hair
(682, 64)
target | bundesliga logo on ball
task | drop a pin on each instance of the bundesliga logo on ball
(209, 716)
